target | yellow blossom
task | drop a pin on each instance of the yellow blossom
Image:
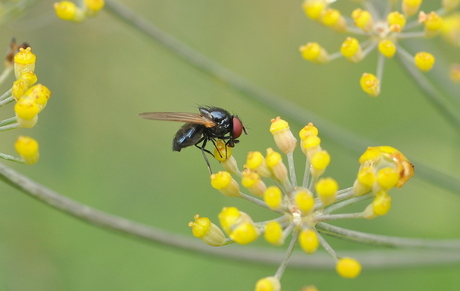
(348, 268)
(207, 231)
(27, 148)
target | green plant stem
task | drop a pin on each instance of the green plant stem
(381, 240)
(447, 109)
(6, 101)
(289, 252)
(247, 254)
(8, 121)
(350, 141)
(11, 158)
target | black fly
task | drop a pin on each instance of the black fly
(210, 124)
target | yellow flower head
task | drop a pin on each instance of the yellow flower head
(268, 284)
(207, 231)
(224, 182)
(283, 136)
(309, 241)
(24, 62)
(348, 268)
(274, 233)
(27, 148)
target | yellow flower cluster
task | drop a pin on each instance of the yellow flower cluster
(69, 11)
(31, 99)
(381, 32)
(300, 207)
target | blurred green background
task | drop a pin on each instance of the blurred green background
(96, 150)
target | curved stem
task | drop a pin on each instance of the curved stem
(387, 241)
(447, 109)
(247, 254)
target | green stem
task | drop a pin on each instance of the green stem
(255, 255)
(446, 108)
(387, 241)
(289, 252)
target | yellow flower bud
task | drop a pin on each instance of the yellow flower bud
(348, 268)
(283, 136)
(313, 52)
(24, 62)
(309, 241)
(370, 84)
(274, 233)
(27, 148)
(207, 231)
(268, 284)
(224, 182)
(326, 189)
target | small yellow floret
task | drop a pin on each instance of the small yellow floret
(274, 233)
(67, 10)
(310, 145)
(228, 217)
(94, 5)
(331, 17)
(351, 50)
(326, 189)
(307, 131)
(348, 268)
(244, 233)
(424, 61)
(387, 178)
(313, 52)
(252, 181)
(207, 231)
(27, 148)
(224, 182)
(222, 152)
(26, 108)
(314, 8)
(276, 165)
(396, 21)
(387, 48)
(382, 203)
(309, 241)
(268, 284)
(362, 19)
(370, 84)
(370, 154)
(273, 197)
(24, 62)
(282, 135)
(40, 94)
(304, 200)
(366, 176)
(320, 160)
(256, 162)
(433, 23)
(364, 181)
(410, 7)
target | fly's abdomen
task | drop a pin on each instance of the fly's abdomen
(189, 134)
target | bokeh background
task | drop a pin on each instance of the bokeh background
(96, 150)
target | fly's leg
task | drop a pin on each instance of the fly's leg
(203, 150)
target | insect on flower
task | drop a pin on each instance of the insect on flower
(210, 124)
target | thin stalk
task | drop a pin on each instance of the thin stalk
(246, 254)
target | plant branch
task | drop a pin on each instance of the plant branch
(247, 254)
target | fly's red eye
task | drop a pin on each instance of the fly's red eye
(237, 127)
